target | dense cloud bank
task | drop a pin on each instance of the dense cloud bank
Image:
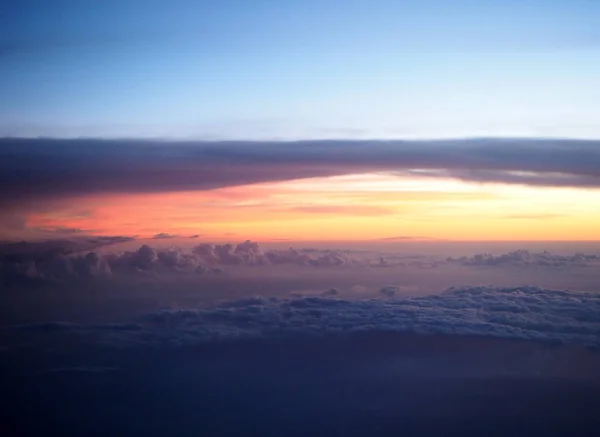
(524, 313)
(517, 258)
(515, 313)
(204, 258)
(527, 258)
(43, 168)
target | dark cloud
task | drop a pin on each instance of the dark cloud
(163, 235)
(54, 268)
(34, 262)
(331, 292)
(388, 291)
(38, 168)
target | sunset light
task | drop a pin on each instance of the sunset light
(300, 218)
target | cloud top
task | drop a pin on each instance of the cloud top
(521, 313)
(62, 260)
(525, 258)
(57, 262)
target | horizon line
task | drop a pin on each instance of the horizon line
(296, 140)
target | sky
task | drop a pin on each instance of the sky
(300, 68)
(165, 89)
(309, 217)
(357, 207)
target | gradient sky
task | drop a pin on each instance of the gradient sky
(300, 68)
(357, 207)
(293, 70)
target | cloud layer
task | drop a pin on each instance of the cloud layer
(41, 168)
(78, 258)
(520, 313)
(59, 260)
(515, 313)
(524, 258)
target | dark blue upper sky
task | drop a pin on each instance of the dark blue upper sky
(299, 68)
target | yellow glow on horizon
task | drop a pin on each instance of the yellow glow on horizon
(353, 207)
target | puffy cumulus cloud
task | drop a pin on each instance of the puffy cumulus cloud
(61, 263)
(527, 312)
(32, 263)
(250, 253)
(323, 258)
(37, 261)
(89, 265)
(143, 258)
(59, 267)
(527, 258)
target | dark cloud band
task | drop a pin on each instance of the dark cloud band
(39, 168)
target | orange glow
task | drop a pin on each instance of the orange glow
(356, 207)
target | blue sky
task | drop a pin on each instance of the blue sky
(300, 68)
